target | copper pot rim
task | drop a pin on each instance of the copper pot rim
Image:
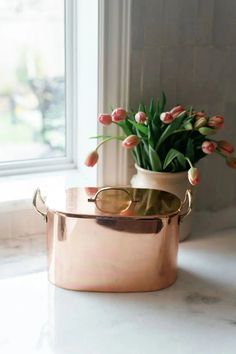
(96, 213)
(110, 216)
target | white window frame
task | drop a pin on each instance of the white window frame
(114, 78)
(104, 61)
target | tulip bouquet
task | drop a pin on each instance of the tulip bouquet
(167, 141)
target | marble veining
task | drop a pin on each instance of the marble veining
(195, 315)
(232, 322)
(196, 298)
(22, 255)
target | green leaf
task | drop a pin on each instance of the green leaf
(145, 156)
(156, 126)
(100, 137)
(154, 160)
(151, 109)
(156, 118)
(138, 155)
(124, 125)
(142, 128)
(171, 128)
(151, 139)
(189, 119)
(142, 108)
(155, 132)
(172, 154)
(161, 103)
(145, 147)
(182, 161)
(159, 110)
(190, 150)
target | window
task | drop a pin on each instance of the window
(34, 127)
(78, 67)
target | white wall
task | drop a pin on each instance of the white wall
(188, 49)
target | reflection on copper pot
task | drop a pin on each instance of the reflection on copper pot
(121, 253)
(93, 256)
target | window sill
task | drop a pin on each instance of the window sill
(17, 191)
(16, 195)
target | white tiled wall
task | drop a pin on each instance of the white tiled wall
(187, 48)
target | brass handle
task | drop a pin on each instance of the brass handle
(94, 198)
(37, 194)
(187, 199)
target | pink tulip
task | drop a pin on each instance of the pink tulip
(130, 142)
(216, 122)
(118, 114)
(225, 147)
(175, 112)
(193, 176)
(208, 147)
(231, 162)
(199, 115)
(91, 159)
(140, 117)
(166, 117)
(105, 119)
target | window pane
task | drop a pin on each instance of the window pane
(32, 82)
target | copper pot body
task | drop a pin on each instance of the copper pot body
(84, 254)
(118, 240)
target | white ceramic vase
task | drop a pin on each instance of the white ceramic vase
(176, 183)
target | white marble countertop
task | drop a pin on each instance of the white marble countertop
(197, 315)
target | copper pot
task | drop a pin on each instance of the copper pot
(112, 239)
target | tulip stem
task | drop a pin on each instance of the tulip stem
(189, 162)
(108, 139)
